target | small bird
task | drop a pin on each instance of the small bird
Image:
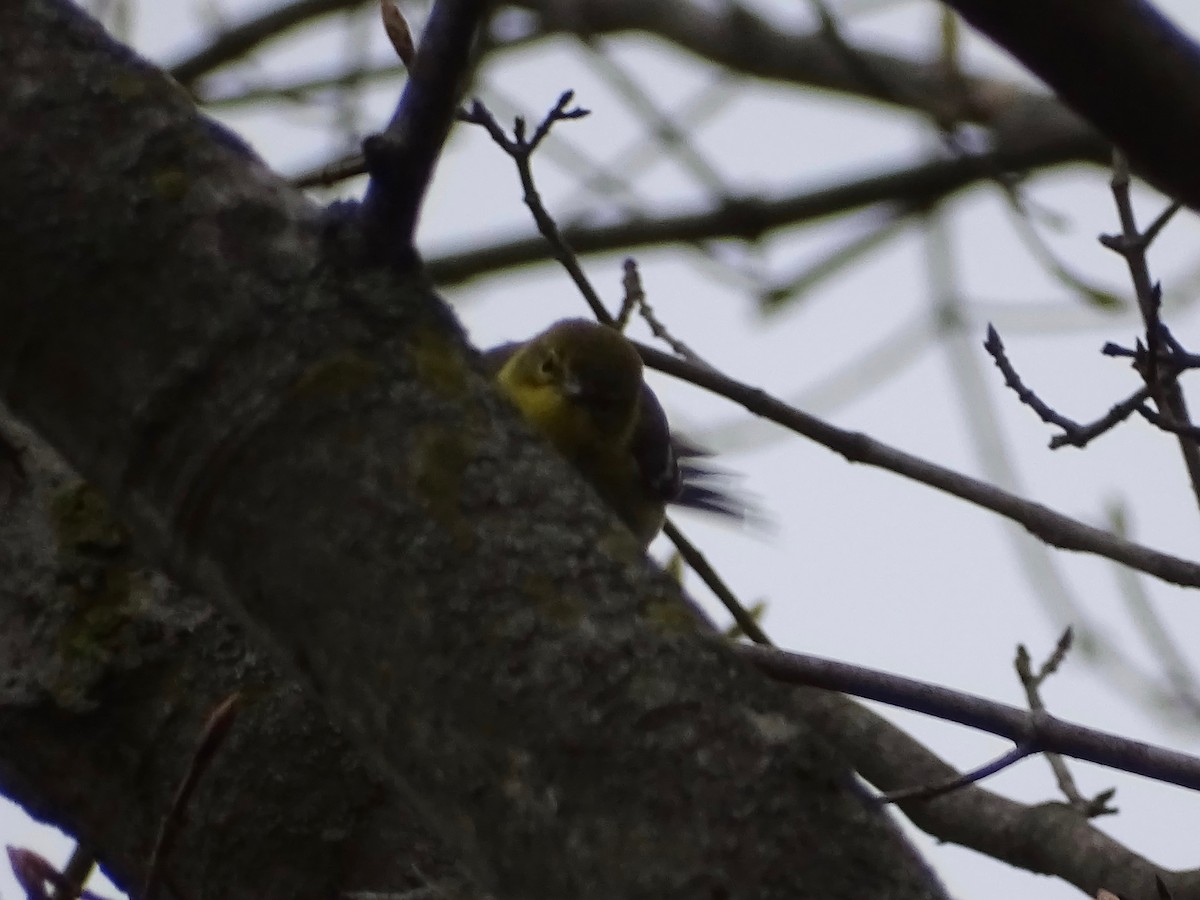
(580, 384)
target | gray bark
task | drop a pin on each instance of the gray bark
(307, 442)
(110, 673)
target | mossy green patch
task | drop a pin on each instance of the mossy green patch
(98, 573)
(439, 362)
(341, 373)
(552, 602)
(669, 614)
(81, 519)
(619, 544)
(170, 184)
(439, 460)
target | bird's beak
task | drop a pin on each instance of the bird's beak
(571, 388)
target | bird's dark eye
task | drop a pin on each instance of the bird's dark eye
(549, 365)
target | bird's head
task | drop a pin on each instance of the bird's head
(590, 370)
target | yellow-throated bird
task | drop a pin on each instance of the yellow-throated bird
(580, 384)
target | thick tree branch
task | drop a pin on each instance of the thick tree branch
(1038, 731)
(1135, 104)
(1049, 838)
(402, 158)
(1130, 72)
(1033, 144)
(733, 37)
(162, 658)
(110, 673)
(1146, 103)
(306, 439)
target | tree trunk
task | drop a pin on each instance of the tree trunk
(307, 441)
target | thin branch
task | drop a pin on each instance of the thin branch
(34, 873)
(1185, 430)
(786, 291)
(216, 729)
(635, 297)
(1173, 356)
(1052, 527)
(661, 128)
(1032, 683)
(633, 294)
(700, 565)
(1160, 222)
(1038, 730)
(1118, 413)
(236, 43)
(1070, 847)
(929, 792)
(346, 167)
(520, 151)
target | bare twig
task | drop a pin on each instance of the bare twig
(349, 166)
(693, 557)
(1032, 682)
(34, 874)
(1073, 433)
(1173, 357)
(1131, 244)
(216, 729)
(1167, 423)
(76, 872)
(636, 296)
(520, 150)
(235, 43)
(929, 792)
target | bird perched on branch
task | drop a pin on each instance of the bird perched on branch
(580, 384)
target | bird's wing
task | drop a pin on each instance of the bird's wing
(676, 469)
(653, 450)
